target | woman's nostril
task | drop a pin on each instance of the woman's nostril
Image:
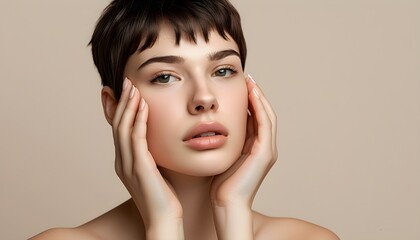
(199, 108)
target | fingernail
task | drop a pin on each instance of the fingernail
(133, 90)
(250, 77)
(125, 83)
(257, 94)
(142, 104)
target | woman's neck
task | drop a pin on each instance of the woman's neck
(194, 196)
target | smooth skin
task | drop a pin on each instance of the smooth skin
(190, 197)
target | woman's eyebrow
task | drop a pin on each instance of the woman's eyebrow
(222, 54)
(177, 59)
(164, 59)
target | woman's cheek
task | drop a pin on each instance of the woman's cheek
(237, 101)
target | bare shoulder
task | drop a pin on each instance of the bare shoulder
(119, 223)
(266, 227)
(65, 234)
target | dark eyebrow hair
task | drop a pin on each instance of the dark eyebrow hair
(177, 59)
(164, 59)
(222, 54)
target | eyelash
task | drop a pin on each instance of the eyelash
(229, 68)
(160, 75)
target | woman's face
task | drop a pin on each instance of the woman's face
(198, 101)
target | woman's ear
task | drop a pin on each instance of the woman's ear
(109, 103)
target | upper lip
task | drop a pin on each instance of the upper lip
(205, 127)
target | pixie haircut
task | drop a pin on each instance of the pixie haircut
(125, 24)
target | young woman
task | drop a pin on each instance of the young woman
(194, 137)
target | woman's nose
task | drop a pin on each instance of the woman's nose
(203, 100)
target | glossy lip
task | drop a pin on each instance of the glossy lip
(206, 127)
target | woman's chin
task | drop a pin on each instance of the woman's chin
(202, 167)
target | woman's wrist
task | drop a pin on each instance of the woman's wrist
(164, 229)
(233, 221)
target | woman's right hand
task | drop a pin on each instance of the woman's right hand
(153, 195)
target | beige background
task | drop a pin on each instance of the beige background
(343, 76)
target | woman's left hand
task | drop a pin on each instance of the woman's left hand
(233, 191)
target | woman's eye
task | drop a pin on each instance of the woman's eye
(164, 79)
(224, 72)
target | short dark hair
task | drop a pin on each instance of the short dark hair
(124, 24)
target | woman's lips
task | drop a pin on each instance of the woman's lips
(206, 143)
(206, 136)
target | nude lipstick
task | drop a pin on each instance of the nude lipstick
(206, 136)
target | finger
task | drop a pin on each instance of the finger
(262, 121)
(127, 85)
(273, 118)
(263, 98)
(116, 120)
(141, 153)
(125, 127)
(270, 112)
(265, 145)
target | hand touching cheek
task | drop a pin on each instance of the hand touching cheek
(135, 166)
(233, 192)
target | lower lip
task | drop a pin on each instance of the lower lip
(207, 143)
